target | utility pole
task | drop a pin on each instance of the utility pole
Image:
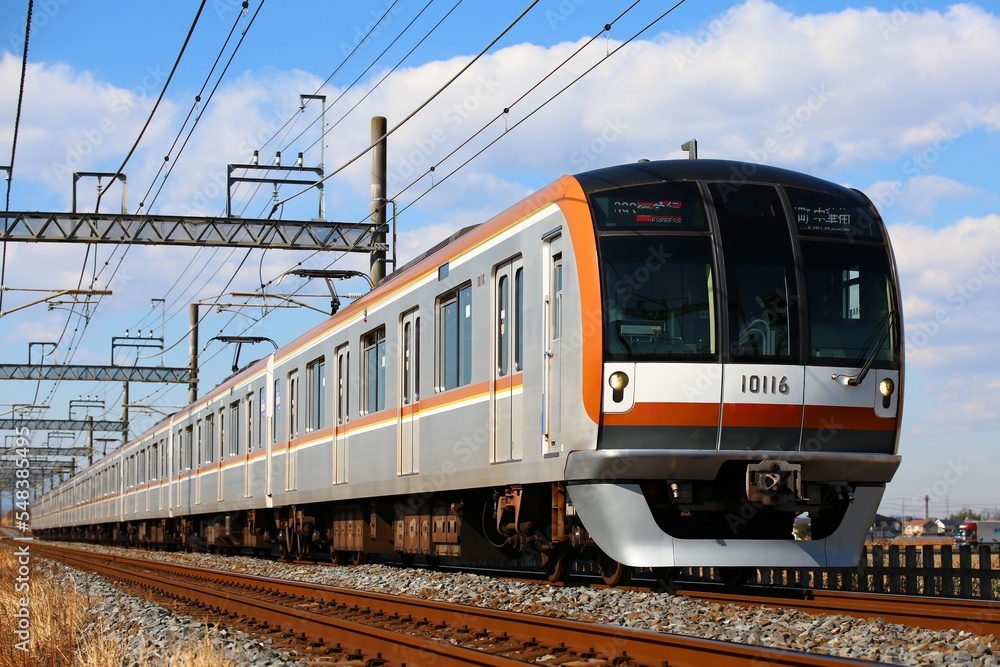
(377, 270)
(193, 354)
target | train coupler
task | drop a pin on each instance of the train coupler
(774, 482)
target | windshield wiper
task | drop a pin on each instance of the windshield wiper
(855, 380)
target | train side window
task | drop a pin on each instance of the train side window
(454, 338)
(189, 453)
(316, 378)
(373, 371)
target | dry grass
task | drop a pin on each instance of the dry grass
(56, 617)
(63, 635)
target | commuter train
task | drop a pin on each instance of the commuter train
(659, 364)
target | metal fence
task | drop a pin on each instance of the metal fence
(934, 570)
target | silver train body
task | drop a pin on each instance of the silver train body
(661, 363)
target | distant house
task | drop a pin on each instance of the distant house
(885, 527)
(924, 527)
(949, 525)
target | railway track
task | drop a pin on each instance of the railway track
(979, 617)
(332, 626)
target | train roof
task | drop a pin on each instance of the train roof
(734, 171)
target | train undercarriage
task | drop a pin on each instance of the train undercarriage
(533, 524)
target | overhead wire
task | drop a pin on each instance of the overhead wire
(417, 110)
(13, 146)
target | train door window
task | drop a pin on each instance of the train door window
(263, 415)
(209, 438)
(189, 441)
(503, 328)
(411, 358)
(222, 434)
(275, 407)
(519, 319)
(454, 338)
(293, 404)
(154, 462)
(760, 273)
(557, 297)
(373, 372)
(234, 429)
(316, 379)
(343, 363)
(200, 444)
(248, 405)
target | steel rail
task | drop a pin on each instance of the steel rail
(980, 617)
(606, 644)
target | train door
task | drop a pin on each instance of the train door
(508, 398)
(408, 447)
(763, 377)
(340, 383)
(552, 392)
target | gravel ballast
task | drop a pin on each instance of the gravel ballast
(837, 635)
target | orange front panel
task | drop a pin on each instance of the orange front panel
(848, 419)
(760, 415)
(667, 414)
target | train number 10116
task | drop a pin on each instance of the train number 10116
(764, 384)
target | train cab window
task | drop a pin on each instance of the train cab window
(373, 371)
(848, 282)
(848, 286)
(659, 297)
(454, 338)
(760, 273)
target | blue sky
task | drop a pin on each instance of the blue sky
(899, 99)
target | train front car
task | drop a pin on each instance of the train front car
(751, 367)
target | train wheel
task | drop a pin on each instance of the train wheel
(335, 557)
(734, 577)
(666, 578)
(557, 564)
(358, 557)
(613, 572)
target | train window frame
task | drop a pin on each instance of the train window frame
(316, 394)
(453, 338)
(343, 357)
(372, 370)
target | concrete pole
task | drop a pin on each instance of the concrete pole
(378, 206)
(193, 353)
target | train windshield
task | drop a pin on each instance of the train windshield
(658, 297)
(849, 291)
(848, 282)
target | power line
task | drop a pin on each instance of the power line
(413, 113)
(13, 147)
